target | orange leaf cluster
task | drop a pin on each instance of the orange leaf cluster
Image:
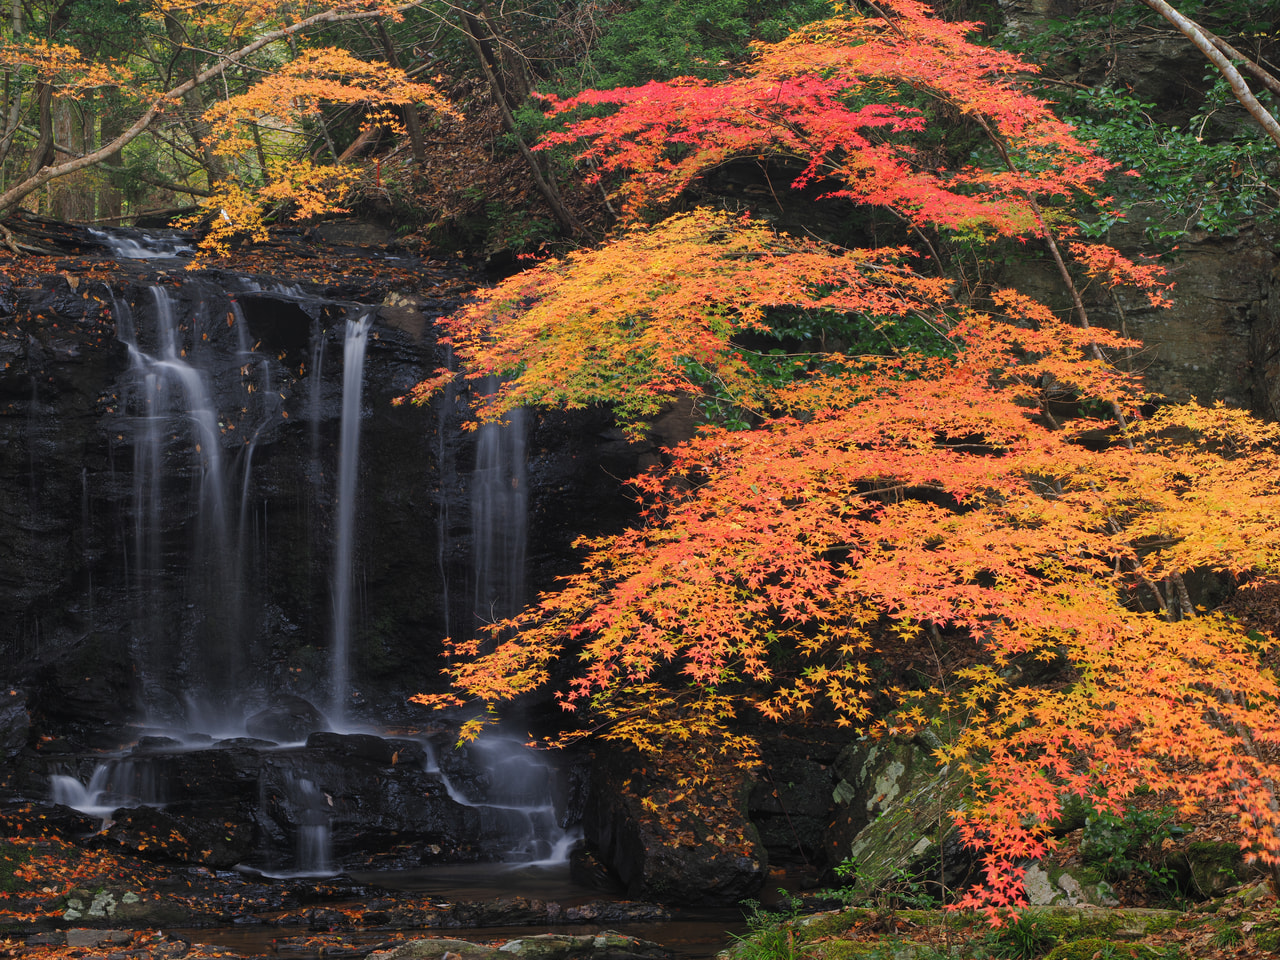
(843, 96)
(299, 88)
(881, 497)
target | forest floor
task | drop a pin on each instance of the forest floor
(44, 878)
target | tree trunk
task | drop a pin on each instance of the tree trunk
(187, 66)
(412, 122)
(1193, 32)
(43, 153)
(546, 186)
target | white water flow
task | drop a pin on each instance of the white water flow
(515, 801)
(311, 845)
(345, 520)
(499, 517)
(137, 245)
(256, 373)
(184, 545)
(112, 785)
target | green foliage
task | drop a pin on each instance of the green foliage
(1027, 937)
(1121, 846)
(796, 346)
(1094, 948)
(659, 39)
(901, 891)
(769, 932)
(515, 228)
(1196, 180)
(1228, 935)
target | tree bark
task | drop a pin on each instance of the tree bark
(1193, 32)
(412, 122)
(545, 185)
(187, 65)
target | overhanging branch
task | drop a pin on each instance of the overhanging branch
(31, 184)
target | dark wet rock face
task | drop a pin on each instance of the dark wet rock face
(285, 720)
(670, 853)
(169, 455)
(171, 447)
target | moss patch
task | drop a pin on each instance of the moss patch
(11, 858)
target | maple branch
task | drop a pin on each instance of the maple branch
(160, 182)
(1082, 315)
(38, 179)
(1196, 34)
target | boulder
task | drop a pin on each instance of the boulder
(602, 946)
(288, 719)
(156, 834)
(437, 948)
(674, 852)
(119, 905)
(893, 817)
(790, 802)
(1208, 869)
(1049, 885)
(606, 945)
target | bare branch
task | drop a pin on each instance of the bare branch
(1193, 32)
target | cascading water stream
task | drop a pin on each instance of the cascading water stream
(213, 621)
(515, 801)
(357, 337)
(499, 517)
(173, 410)
(112, 785)
(311, 840)
(142, 246)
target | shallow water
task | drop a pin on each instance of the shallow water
(695, 934)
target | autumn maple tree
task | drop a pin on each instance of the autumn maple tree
(931, 498)
(245, 136)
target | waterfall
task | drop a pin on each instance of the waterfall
(344, 542)
(515, 801)
(499, 517)
(311, 845)
(173, 414)
(136, 245)
(112, 785)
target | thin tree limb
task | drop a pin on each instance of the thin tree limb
(31, 184)
(1196, 34)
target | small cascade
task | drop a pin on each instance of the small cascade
(515, 799)
(443, 516)
(315, 399)
(112, 785)
(174, 415)
(499, 517)
(140, 245)
(357, 337)
(311, 846)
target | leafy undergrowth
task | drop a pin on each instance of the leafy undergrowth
(1245, 924)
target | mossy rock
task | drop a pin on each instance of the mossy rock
(903, 797)
(11, 858)
(1267, 938)
(1049, 885)
(437, 947)
(871, 950)
(1215, 867)
(1087, 949)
